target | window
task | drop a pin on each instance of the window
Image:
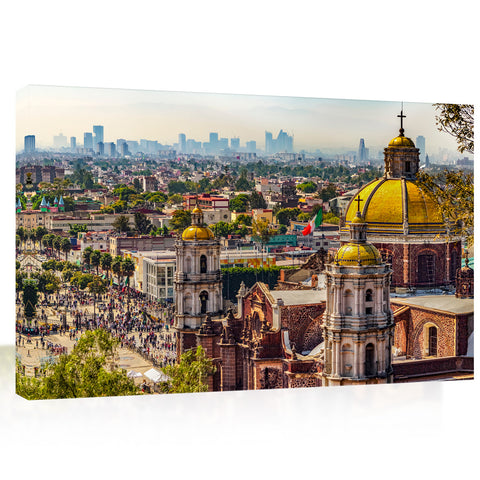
(426, 269)
(368, 295)
(203, 264)
(432, 341)
(203, 302)
(369, 359)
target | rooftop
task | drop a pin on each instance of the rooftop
(444, 303)
(299, 297)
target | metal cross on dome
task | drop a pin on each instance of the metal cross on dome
(358, 200)
(401, 116)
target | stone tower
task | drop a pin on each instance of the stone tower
(358, 322)
(198, 281)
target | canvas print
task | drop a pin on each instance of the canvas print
(174, 242)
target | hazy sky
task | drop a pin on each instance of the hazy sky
(45, 111)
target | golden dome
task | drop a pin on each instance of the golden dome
(401, 141)
(358, 219)
(383, 203)
(197, 233)
(196, 210)
(353, 253)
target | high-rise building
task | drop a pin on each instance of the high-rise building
(251, 146)
(109, 149)
(120, 141)
(100, 148)
(182, 142)
(73, 143)
(268, 142)
(29, 143)
(60, 141)
(420, 143)
(124, 149)
(235, 144)
(362, 152)
(88, 141)
(98, 132)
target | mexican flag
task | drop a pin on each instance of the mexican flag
(314, 223)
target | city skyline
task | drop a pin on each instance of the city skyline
(315, 123)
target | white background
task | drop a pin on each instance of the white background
(411, 51)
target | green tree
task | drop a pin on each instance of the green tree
(190, 374)
(95, 259)
(86, 256)
(307, 187)
(106, 262)
(142, 224)
(57, 244)
(66, 247)
(257, 201)
(30, 297)
(176, 186)
(285, 215)
(89, 371)
(117, 267)
(242, 184)
(457, 121)
(453, 194)
(121, 224)
(181, 219)
(240, 203)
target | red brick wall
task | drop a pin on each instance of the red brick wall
(303, 324)
(405, 262)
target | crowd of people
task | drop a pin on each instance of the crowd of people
(139, 324)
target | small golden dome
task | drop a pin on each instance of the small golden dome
(196, 210)
(197, 233)
(401, 141)
(353, 253)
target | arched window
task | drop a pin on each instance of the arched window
(188, 265)
(203, 302)
(368, 295)
(369, 359)
(187, 304)
(348, 302)
(426, 269)
(432, 341)
(203, 264)
(347, 360)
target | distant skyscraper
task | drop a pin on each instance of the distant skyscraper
(109, 149)
(362, 153)
(120, 142)
(427, 161)
(60, 141)
(29, 143)
(182, 142)
(124, 149)
(268, 142)
(98, 132)
(251, 146)
(73, 143)
(420, 144)
(88, 140)
(235, 144)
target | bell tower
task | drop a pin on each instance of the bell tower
(358, 322)
(198, 280)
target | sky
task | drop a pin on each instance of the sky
(315, 123)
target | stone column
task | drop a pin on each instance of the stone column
(338, 365)
(361, 358)
(356, 347)
(358, 302)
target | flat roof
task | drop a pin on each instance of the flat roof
(299, 297)
(444, 303)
